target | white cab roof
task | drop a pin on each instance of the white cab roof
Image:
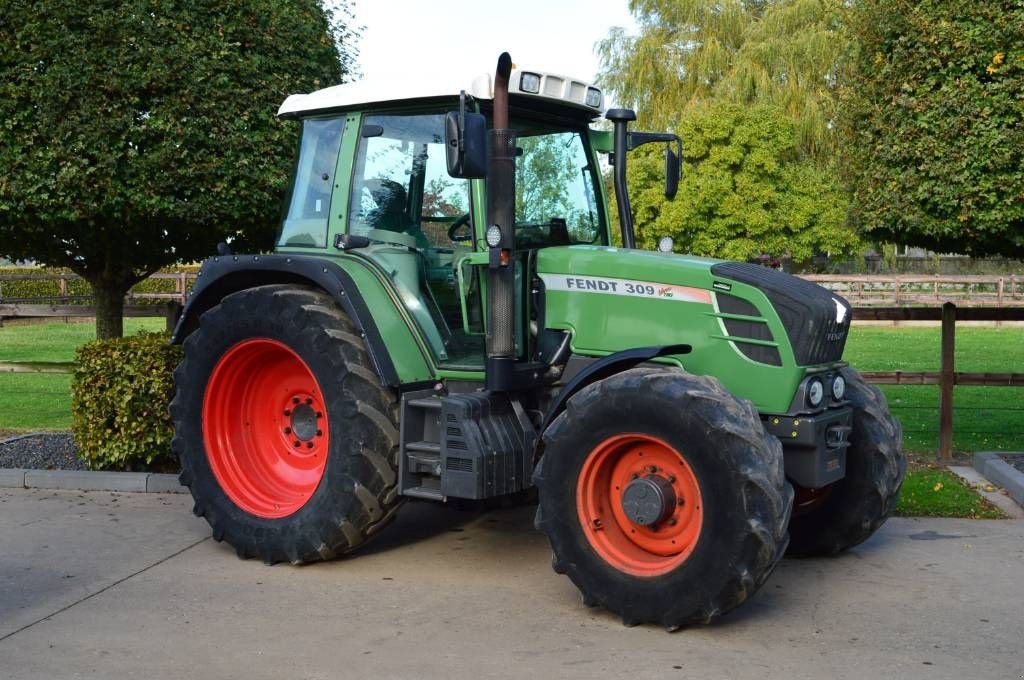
(365, 92)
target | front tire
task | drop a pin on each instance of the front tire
(718, 527)
(287, 440)
(851, 510)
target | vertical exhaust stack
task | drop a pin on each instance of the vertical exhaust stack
(501, 274)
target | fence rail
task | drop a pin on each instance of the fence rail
(182, 284)
(903, 290)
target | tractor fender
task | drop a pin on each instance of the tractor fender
(604, 368)
(226, 274)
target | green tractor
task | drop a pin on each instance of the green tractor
(445, 317)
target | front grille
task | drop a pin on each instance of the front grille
(808, 312)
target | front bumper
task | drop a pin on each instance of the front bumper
(813, 446)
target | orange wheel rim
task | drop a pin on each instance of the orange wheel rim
(639, 504)
(265, 428)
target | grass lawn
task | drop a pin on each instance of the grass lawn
(933, 491)
(984, 418)
(42, 401)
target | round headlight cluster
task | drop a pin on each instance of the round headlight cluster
(815, 392)
(838, 388)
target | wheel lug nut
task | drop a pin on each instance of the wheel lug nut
(681, 501)
(319, 414)
(671, 479)
(672, 521)
(319, 433)
(287, 412)
(634, 476)
(309, 401)
(297, 443)
(295, 400)
(287, 430)
(652, 469)
(309, 445)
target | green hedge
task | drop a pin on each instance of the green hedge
(51, 288)
(120, 393)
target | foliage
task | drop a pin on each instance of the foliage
(744, 190)
(50, 288)
(120, 394)
(932, 117)
(692, 52)
(137, 134)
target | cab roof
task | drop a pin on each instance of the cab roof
(552, 88)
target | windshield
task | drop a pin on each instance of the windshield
(556, 203)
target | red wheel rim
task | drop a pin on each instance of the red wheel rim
(265, 428)
(630, 547)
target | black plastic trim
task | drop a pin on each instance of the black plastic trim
(222, 276)
(808, 311)
(607, 367)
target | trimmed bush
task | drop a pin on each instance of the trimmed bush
(50, 289)
(120, 395)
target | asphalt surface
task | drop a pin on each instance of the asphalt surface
(101, 585)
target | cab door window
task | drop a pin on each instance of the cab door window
(418, 218)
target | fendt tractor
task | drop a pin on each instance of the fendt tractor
(445, 317)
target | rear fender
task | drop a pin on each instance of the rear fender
(221, 276)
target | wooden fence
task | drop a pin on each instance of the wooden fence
(909, 290)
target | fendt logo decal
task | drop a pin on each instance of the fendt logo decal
(625, 287)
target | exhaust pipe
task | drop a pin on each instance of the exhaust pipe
(501, 273)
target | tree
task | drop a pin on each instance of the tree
(744, 192)
(932, 124)
(138, 134)
(693, 52)
(750, 86)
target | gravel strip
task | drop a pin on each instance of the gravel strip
(43, 451)
(1016, 461)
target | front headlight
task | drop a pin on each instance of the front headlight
(839, 388)
(815, 392)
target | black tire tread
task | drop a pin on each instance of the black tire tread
(862, 501)
(755, 461)
(312, 313)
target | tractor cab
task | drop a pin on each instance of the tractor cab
(372, 177)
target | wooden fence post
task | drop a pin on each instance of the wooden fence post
(946, 384)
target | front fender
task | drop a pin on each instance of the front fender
(398, 361)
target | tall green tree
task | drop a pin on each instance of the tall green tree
(751, 87)
(933, 124)
(745, 190)
(138, 133)
(689, 53)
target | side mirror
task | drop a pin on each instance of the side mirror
(465, 139)
(672, 172)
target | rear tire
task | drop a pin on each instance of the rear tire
(857, 505)
(708, 553)
(287, 440)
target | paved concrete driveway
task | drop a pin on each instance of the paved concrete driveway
(98, 585)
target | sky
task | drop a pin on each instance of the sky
(447, 41)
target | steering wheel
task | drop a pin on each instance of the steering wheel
(458, 224)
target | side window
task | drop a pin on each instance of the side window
(309, 205)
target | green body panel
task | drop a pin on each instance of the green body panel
(405, 346)
(605, 322)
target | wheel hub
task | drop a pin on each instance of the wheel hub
(648, 501)
(303, 422)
